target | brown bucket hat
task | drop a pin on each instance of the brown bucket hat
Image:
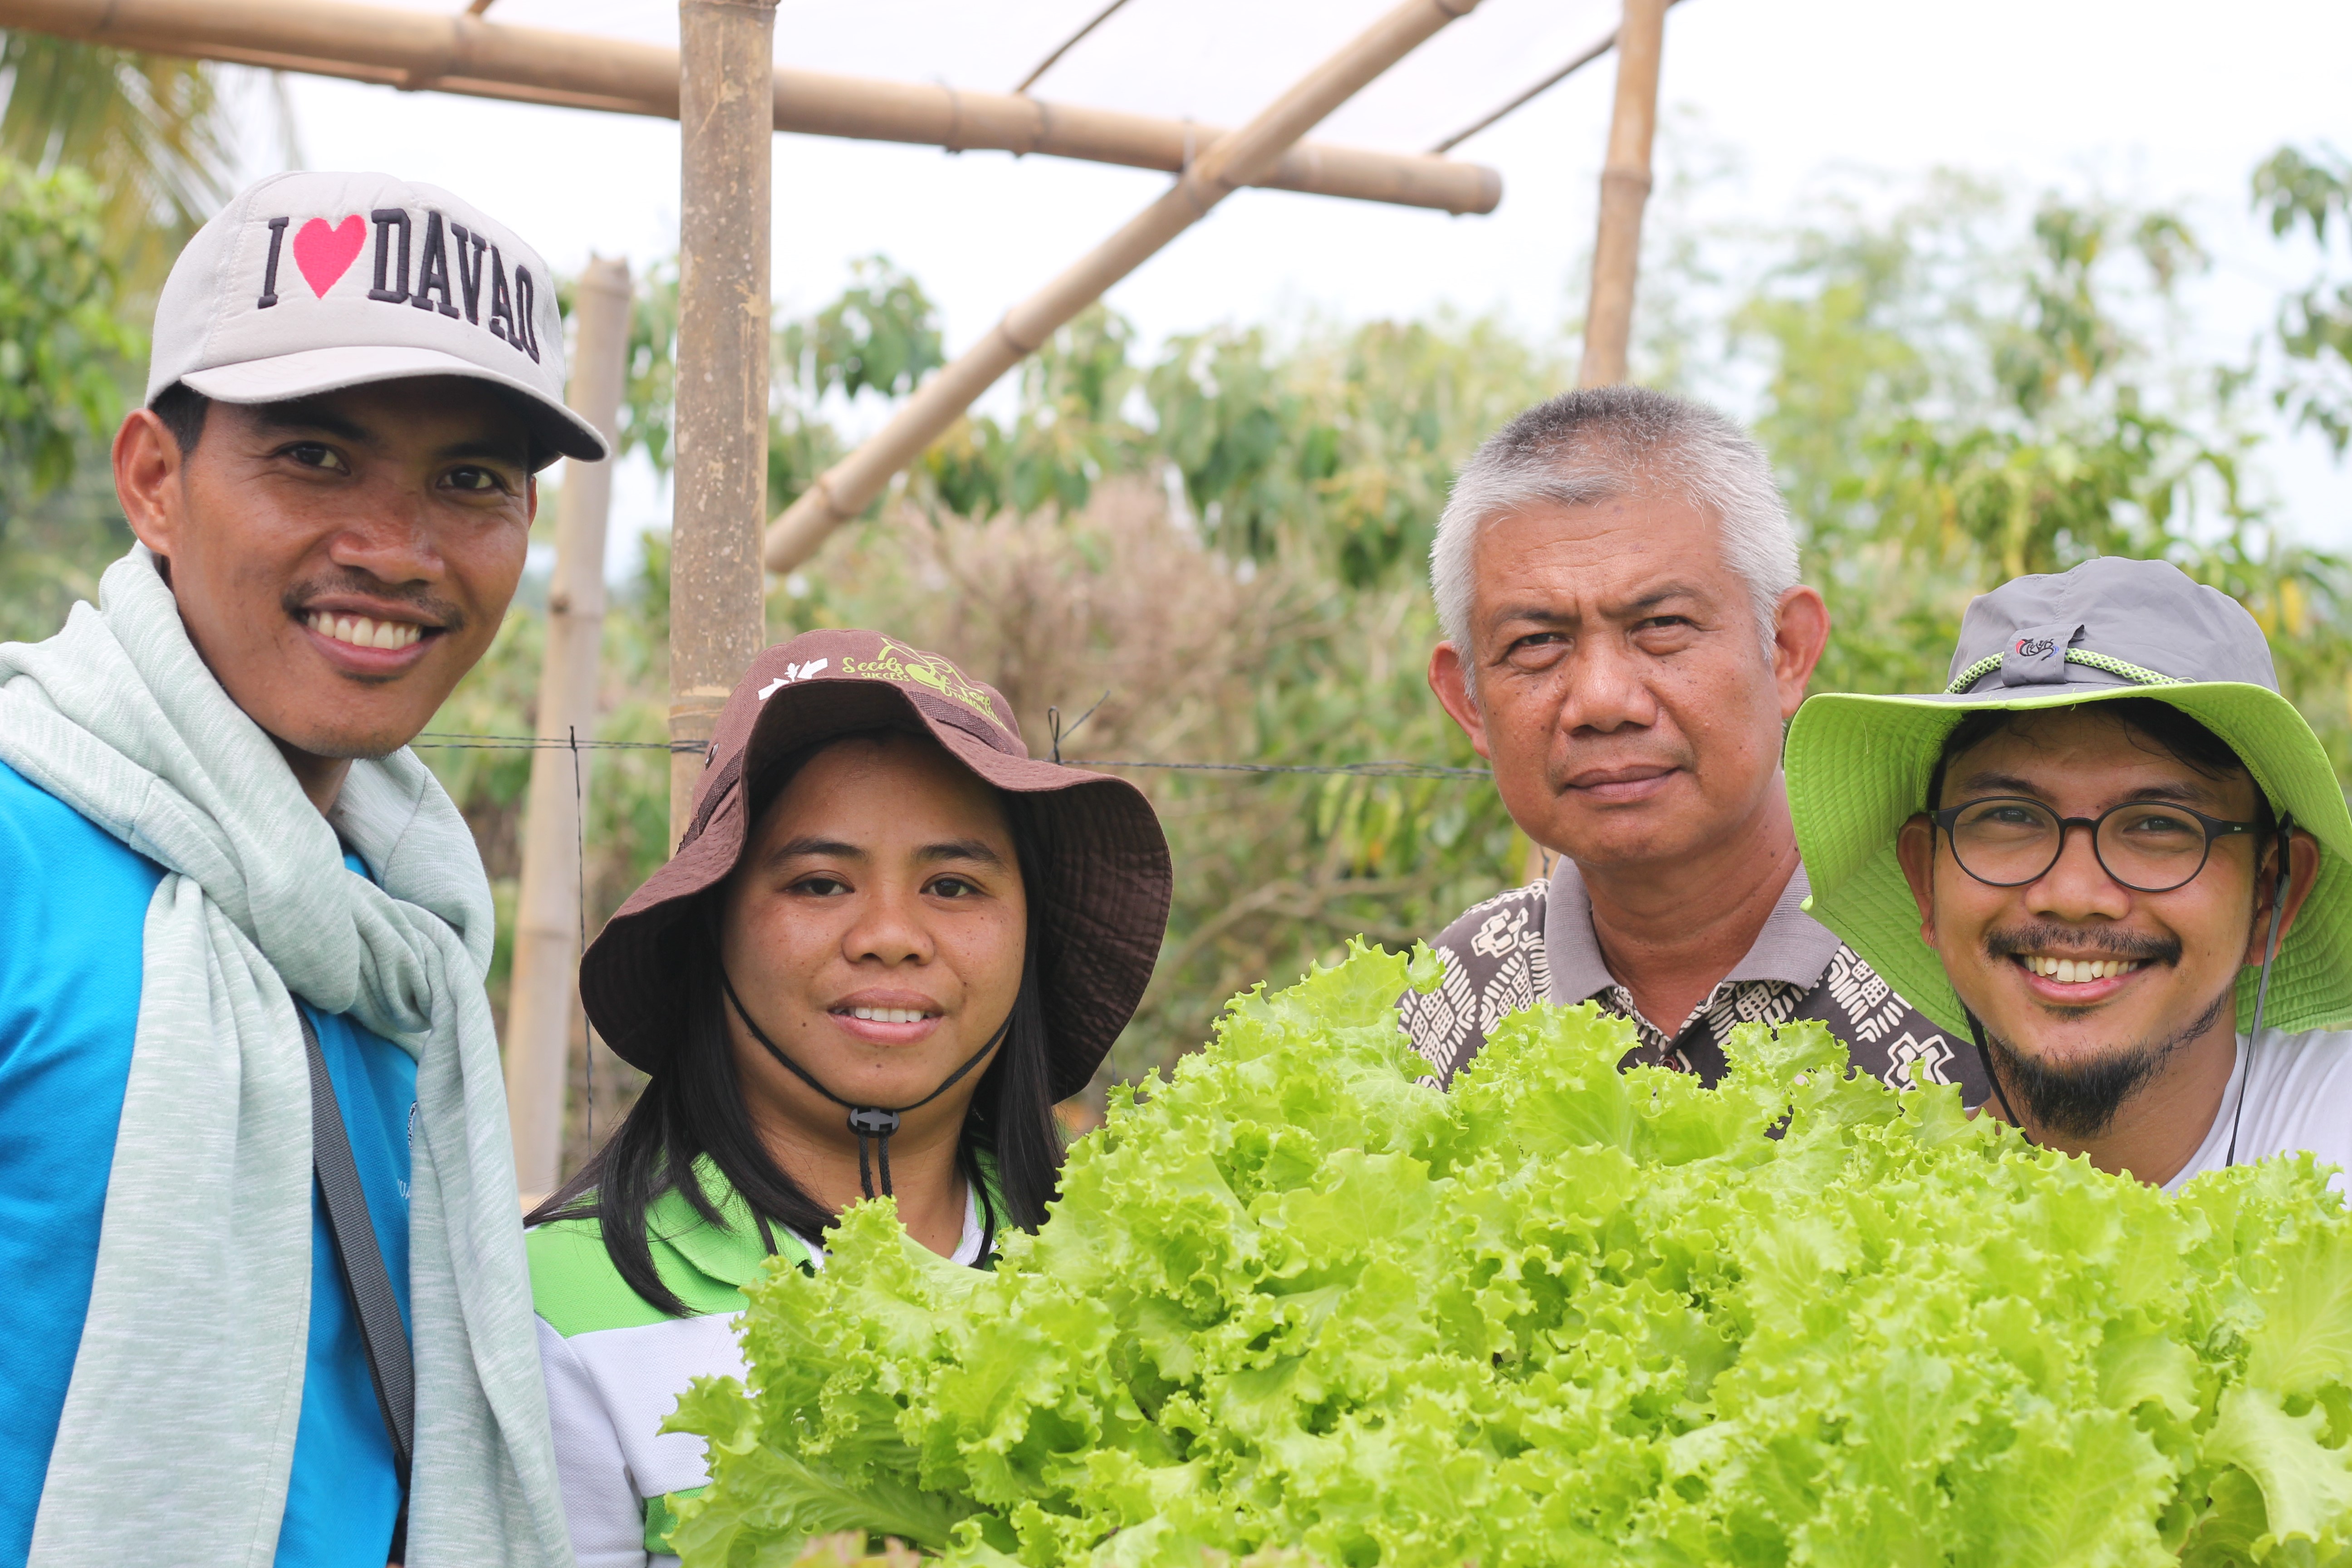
(1104, 873)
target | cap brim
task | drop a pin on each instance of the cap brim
(1858, 769)
(313, 370)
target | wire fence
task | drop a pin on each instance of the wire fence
(454, 741)
(462, 740)
(1351, 770)
(446, 739)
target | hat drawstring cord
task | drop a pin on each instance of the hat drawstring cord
(2263, 988)
(1984, 1055)
(873, 1123)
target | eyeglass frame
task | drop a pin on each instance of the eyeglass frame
(2215, 828)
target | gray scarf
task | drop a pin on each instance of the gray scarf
(178, 1433)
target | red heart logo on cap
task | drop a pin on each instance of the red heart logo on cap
(325, 254)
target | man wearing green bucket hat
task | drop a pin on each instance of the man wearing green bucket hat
(2114, 855)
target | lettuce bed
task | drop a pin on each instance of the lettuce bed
(1295, 1301)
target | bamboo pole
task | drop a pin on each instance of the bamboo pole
(543, 998)
(1234, 160)
(718, 619)
(1624, 189)
(417, 50)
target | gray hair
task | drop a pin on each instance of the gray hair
(1603, 442)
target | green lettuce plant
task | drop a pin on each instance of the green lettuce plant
(1294, 1300)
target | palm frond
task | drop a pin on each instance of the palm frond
(153, 131)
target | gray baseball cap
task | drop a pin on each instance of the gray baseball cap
(1858, 766)
(308, 283)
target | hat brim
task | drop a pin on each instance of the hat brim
(310, 372)
(1105, 881)
(1858, 768)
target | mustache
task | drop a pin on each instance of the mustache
(430, 608)
(2011, 941)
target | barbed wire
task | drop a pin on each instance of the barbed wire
(460, 740)
(457, 741)
(464, 741)
(1352, 770)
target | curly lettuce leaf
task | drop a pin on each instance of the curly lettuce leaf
(1294, 1300)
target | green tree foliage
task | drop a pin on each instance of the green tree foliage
(109, 160)
(65, 358)
(154, 133)
(1341, 443)
(62, 350)
(1955, 403)
(2298, 190)
(1073, 427)
(878, 339)
(651, 388)
(881, 335)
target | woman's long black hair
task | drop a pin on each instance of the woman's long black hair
(694, 1107)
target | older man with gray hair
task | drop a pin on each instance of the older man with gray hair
(1626, 637)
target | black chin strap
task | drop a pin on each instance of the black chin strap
(1984, 1055)
(2262, 987)
(871, 1122)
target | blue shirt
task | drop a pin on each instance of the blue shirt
(73, 911)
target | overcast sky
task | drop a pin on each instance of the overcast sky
(2152, 100)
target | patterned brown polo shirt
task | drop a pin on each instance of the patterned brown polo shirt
(1535, 943)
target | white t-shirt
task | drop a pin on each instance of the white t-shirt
(2297, 1090)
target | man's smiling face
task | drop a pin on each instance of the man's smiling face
(2087, 988)
(340, 561)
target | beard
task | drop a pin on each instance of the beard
(2079, 1101)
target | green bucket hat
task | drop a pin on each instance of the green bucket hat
(1858, 766)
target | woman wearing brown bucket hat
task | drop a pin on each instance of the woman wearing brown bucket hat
(888, 943)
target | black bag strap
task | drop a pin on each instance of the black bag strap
(361, 1256)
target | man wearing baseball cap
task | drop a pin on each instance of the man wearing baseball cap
(259, 1257)
(2113, 854)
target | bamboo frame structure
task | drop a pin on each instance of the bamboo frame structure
(1624, 190)
(721, 480)
(461, 53)
(1230, 161)
(543, 998)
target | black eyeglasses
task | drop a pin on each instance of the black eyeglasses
(2149, 847)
